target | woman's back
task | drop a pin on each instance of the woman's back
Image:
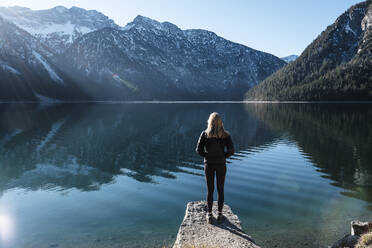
(213, 148)
(211, 145)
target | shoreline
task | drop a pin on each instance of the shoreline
(182, 101)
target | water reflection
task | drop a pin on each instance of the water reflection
(84, 146)
(300, 169)
(337, 138)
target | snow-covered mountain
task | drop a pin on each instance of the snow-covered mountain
(26, 72)
(57, 27)
(76, 54)
(290, 58)
(153, 60)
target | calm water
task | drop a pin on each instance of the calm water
(120, 175)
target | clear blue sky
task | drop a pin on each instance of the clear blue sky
(280, 27)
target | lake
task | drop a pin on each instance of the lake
(120, 175)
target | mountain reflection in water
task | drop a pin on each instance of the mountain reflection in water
(337, 138)
(85, 146)
(298, 169)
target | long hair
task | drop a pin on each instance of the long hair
(215, 126)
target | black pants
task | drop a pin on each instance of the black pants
(220, 171)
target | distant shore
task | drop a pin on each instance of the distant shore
(133, 102)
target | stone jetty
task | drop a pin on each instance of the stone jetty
(195, 232)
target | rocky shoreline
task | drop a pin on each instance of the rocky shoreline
(195, 232)
(355, 238)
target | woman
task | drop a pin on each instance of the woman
(211, 145)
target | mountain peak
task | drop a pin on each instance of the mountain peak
(143, 22)
(60, 9)
(143, 19)
(290, 58)
(58, 27)
(18, 8)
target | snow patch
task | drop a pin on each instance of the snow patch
(65, 29)
(47, 67)
(10, 69)
(125, 82)
(348, 29)
(84, 30)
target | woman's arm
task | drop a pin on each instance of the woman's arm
(230, 147)
(201, 144)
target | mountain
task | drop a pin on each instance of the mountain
(77, 54)
(290, 58)
(152, 60)
(57, 27)
(28, 74)
(335, 66)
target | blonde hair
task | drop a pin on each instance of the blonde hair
(215, 126)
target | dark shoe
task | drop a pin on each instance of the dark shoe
(220, 218)
(209, 218)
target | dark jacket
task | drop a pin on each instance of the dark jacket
(213, 149)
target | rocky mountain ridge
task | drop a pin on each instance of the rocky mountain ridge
(336, 66)
(26, 72)
(57, 27)
(148, 58)
(145, 60)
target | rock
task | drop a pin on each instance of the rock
(196, 232)
(348, 241)
(359, 228)
(54, 245)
